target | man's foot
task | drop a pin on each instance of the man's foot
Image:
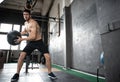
(52, 76)
(15, 78)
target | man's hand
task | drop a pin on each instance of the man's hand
(18, 40)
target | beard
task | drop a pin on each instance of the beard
(27, 19)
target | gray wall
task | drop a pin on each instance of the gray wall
(69, 37)
(109, 23)
(57, 46)
(79, 44)
(108, 12)
(86, 37)
(111, 46)
(90, 19)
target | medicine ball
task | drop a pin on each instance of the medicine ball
(12, 36)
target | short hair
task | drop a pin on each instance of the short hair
(26, 10)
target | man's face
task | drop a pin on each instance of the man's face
(26, 16)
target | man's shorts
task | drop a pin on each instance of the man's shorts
(32, 45)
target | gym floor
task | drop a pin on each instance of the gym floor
(37, 74)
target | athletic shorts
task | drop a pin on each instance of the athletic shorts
(32, 45)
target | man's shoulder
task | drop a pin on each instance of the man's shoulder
(33, 21)
(25, 22)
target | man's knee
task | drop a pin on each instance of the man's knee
(22, 55)
(47, 56)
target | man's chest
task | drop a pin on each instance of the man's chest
(28, 27)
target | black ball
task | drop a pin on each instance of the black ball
(12, 36)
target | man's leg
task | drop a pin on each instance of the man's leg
(48, 64)
(20, 61)
(19, 66)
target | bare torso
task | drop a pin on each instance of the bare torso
(33, 30)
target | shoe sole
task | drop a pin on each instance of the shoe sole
(14, 80)
(52, 77)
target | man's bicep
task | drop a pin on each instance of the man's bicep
(34, 27)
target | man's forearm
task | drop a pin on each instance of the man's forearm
(28, 39)
(23, 33)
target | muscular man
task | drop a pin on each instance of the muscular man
(35, 42)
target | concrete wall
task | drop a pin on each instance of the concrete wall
(86, 37)
(56, 45)
(80, 47)
(108, 12)
(57, 39)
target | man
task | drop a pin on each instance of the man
(32, 28)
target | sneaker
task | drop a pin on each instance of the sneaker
(52, 76)
(15, 77)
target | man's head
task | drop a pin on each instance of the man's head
(26, 14)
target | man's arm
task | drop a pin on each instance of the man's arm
(23, 32)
